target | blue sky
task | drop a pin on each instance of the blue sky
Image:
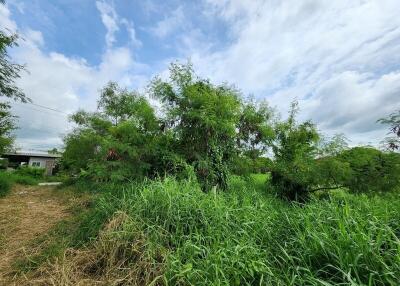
(340, 59)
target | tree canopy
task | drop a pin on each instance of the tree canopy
(208, 131)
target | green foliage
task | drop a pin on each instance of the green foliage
(371, 170)
(295, 149)
(9, 71)
(204, 127)
(255, 128)
(80, 148)
(203, 118)
(7, 125)
(23, 176)
(116, 143)
(5, 184)
(209, 131)
(244, 237)
(24, 179)
(393, 120)
(4, 163)
(245, 165)
(304, 163)
(35, 173)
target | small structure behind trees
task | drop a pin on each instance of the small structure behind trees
(37, 160)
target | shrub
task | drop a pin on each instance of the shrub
(171, 231)
(4, 163)
(371, 169)
(32, 172)
(24, 180)
(5, 184)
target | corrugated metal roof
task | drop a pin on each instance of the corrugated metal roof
(33, 154)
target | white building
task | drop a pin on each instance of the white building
(38, 160)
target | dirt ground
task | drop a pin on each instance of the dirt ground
(25, 214)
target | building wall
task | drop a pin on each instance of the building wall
(41, 160)
(45, 163)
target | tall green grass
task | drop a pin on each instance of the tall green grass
(172, 233)
(5, 184)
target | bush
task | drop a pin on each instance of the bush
(36, 173)
(4, 163)
(172, 231)
(289, 185)
(371, 170)
(5, 184)
(24, 180)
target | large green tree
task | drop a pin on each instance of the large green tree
(9, 72)
(7, 125)
(117, 141)
(295, 150)
(204, 119)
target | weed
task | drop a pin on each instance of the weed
(178, 235)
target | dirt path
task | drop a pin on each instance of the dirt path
(25, 214)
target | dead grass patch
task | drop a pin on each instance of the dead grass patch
(26, 214)
(120, 256)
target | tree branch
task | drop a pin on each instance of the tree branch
(327, 188)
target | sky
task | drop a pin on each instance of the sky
(340, 59)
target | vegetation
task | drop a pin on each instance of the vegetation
(209, 132)
(170, 232)
(5, 184)
(393, 120)
(180, 203)
(203, 131)
(24, 176)
(33, 172)
(9, 72)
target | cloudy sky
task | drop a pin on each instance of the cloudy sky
(340, 59)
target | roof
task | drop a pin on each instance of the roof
(33, 154)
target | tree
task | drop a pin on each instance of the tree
(116, 142)
(371, 170)
(9, 71)
(295, 150)
(7, 125)
(255, 133)
(203, 118)
(304, 163)
(332, 146)
(255, 128)
(393, 120)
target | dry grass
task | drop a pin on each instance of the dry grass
(25, 214)
(111, 260)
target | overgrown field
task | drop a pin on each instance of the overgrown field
(169, 232)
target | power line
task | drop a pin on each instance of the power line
(24, 105)
(49, 108)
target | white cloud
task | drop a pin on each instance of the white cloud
(5, 20)
(109, 19)
(132, 33)
(169, 24)
(112, 22)
(62, 83)
(338, 56)
(352, 103)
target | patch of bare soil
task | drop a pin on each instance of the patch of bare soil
(25, 214)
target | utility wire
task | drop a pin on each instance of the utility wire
(46, 107)
(24, 105)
